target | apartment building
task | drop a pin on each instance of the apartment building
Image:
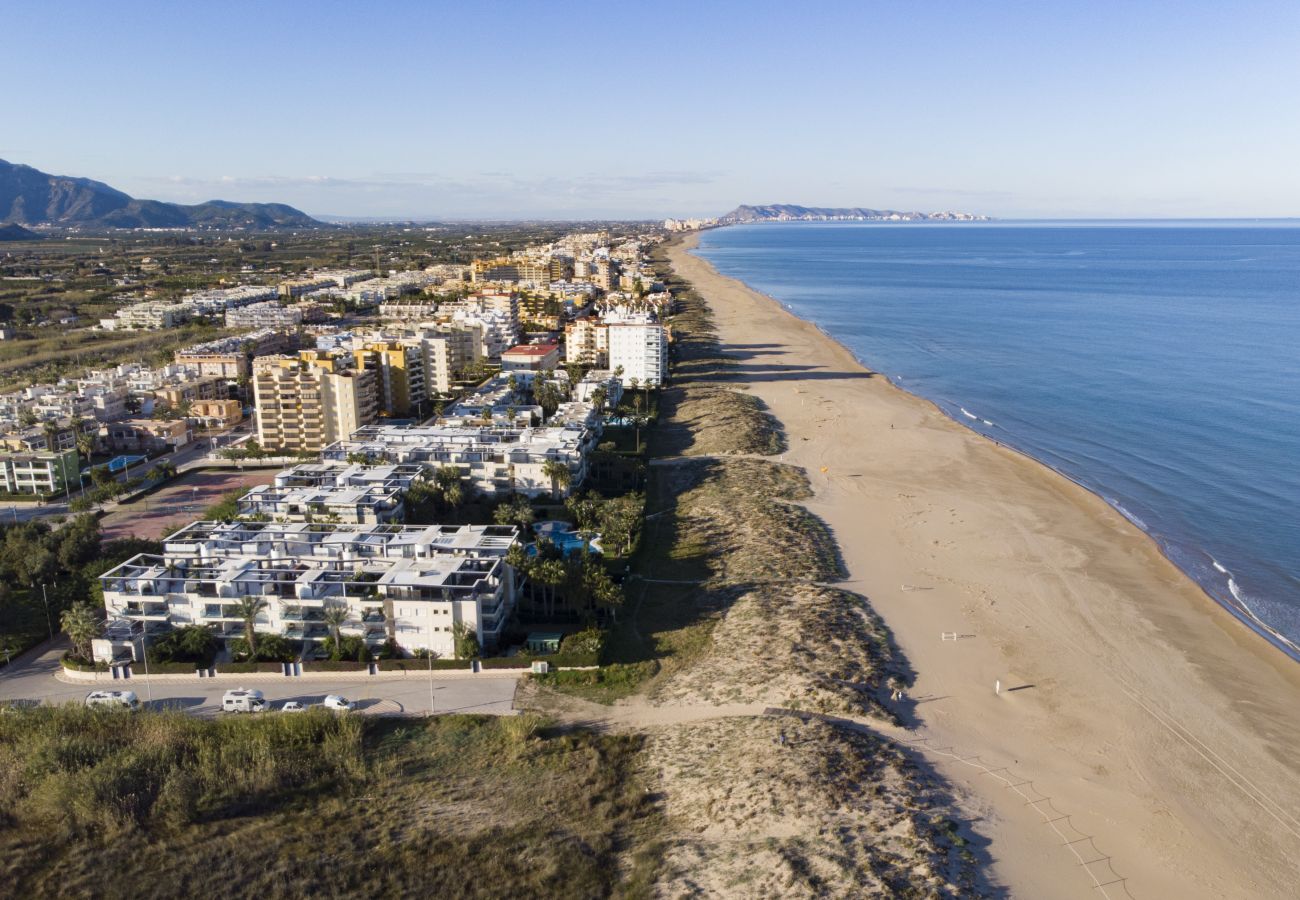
(399, 373)
(412, 585)
(217, 413)
(271, 315)
(639, 346)
(147, 435)
(586, 341)
(231, 358)
(416, 311)
(531, 358)
(362, 505)
(192, 391)
(150, 314)
(39, 473)
(307, 401)
(492, 459)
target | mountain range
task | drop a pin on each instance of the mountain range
(785, 212)
(32, 197)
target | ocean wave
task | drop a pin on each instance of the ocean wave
(1219, 566)
(987, 422)
(1119, 507)
(967, 413)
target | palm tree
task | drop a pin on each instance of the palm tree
(558, 473)
(81, 622)
(248, 609)
(335, 616)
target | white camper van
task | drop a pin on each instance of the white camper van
(243, 700)
(124, 699)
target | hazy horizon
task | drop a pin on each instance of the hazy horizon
(583, 110)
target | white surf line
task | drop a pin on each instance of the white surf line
(1097, 884)
(1260, 797)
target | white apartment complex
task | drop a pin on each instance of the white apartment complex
(492, 459)
(412, 585)
(639, 346)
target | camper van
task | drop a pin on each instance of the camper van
(122, 699)
(243, 700)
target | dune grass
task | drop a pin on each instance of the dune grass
(106, 803)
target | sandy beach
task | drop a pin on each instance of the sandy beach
(1143, 742)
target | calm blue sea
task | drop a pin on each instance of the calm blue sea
(1157, 364)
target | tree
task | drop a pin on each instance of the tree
(515, 511)
(248, 609)
(81, 622)
(598, 397)
(558, 474)
(464, 640)
(335, 616)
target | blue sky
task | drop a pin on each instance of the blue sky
(643, 110)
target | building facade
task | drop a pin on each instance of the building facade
(309, 401)
(411, 585)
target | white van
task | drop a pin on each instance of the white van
(243, 700)
(125, 699)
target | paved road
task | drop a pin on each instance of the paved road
(33, 679)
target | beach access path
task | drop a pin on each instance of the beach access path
(1049, 636)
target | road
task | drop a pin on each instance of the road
(33, 678)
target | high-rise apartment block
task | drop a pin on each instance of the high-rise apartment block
(307, 401)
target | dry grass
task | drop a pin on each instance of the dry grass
(800, 646)
(116, 805)
(713, 420)
(780, 807)
(741, 518)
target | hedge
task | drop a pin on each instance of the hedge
(171, 668)
(275, 667)
(335, 665)
(70, 663)
(420, 665)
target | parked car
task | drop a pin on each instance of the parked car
(116, 699)
(243, 700)
(293, 706)
(343, 704)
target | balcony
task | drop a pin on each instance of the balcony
(146, 610)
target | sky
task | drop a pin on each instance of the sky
(644, 110)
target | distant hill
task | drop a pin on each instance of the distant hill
(14, 232)
(33, 197)
(784, 212)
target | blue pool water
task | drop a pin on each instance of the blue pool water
(1157, 364)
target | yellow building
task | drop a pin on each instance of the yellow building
(399, 372)
(307, 401)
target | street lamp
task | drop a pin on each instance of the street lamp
(48, 622)
(144, 652)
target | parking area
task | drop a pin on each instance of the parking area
(410, 695)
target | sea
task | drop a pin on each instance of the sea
(1155, 363)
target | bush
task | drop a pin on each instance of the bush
(193, 644)
(270, 648)
(81, 665)
(587, 643)
(350, 647)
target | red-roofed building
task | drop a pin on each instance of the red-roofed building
(530, 358)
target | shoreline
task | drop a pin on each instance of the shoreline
(1139, 684)
(1228, 601)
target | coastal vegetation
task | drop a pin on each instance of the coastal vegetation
(109, 803)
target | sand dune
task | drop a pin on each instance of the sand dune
(1150, 738)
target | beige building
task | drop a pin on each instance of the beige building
(307, 401)
(586, 341)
